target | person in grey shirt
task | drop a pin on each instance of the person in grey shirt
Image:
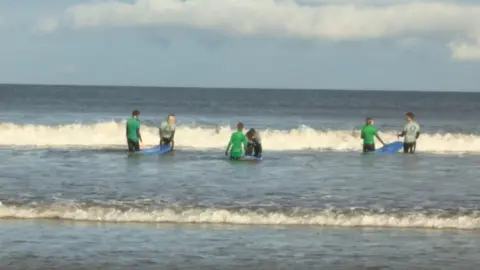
(411, 132)
(167, 131)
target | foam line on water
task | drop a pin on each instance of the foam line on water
(337, 218)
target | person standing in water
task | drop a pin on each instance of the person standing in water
(167, 131)
(411, 132)
(254, 143)
(133, 132)
(369, 132)
(238, 142)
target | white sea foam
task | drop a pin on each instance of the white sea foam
(113, 134)
(465, 221)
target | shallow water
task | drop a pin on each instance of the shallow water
(332, 189)
(72, 197)
(66, 245)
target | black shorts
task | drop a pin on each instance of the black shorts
(368, 148)
(133, 145)
(254, 149)
(257, 150)
(165, 141)
(409, 147)
(249, 150)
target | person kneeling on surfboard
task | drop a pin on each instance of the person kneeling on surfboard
(369, 132)
(411, 132)
(238, 142)
(133, 132)
(254, 143)
(167, 131)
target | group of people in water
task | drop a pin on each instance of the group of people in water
(250, 143)
(166, 132)
(410, 132)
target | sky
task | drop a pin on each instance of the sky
(318, 44)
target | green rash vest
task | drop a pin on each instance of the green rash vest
(133, 125)
(368, 133)
(238, 140)
(411, 129)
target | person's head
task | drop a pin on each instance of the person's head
(171, 119)
(136, 113)
(250, 133)
(240, 126)
(410, 116)
(369, 121)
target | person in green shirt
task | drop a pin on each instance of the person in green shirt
(411, 132)
(369, 132)
(238, 142)
(133, 132)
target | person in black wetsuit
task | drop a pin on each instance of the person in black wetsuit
(254, 145)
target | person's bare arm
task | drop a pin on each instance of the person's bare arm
(139, 136)
(380, 139)
(172, 139)
(160, 134)
(228, 147)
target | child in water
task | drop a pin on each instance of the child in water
(369, 133)
(254, 143)
(238, 142)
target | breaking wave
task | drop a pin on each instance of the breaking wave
(113, 134)
(467, 220)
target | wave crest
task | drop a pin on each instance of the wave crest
(113, 134)
(338, 218)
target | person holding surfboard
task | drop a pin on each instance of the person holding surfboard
(238, 142)
(254, 145)
(411, 132)
(369, 132)
(167, 131)
(133, 132)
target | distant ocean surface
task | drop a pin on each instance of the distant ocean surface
(72, 198)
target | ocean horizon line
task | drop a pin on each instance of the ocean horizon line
(228, 88)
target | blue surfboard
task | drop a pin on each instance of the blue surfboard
(158, 150)
(390, 148)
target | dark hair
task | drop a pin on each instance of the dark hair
(250, 133)
(135, 113)
(410, 114)
(240, 125)
(368, 120)
(171, 115)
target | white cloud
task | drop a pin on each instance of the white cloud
(465, 51)
(360, 2)
(48, 25)
(328, 19)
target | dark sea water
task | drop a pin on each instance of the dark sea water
(72, 198)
